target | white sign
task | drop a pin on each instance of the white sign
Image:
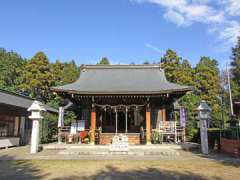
(119, 143)
(77, 126)
(119, 147)
(81, 125)
(73, 129)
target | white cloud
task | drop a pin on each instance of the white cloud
(216, 14)
(230, 32)
(201, 1)
(175, 17)
(232, 7)
(168, 3)
(189, 11)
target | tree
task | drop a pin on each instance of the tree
(70, 72)
(11, 67)
(190, 102)
(64, 73)
(57, 71)
(177, 70)
(170, 62)
(185, 74)
(104, 60)
(146, 62)
(224, 96)
(207, 78)
(235, 71)
(37, 77)
(180, 71)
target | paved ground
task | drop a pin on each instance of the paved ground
(187, 165)
(93, 152)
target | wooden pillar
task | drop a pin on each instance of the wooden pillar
(16, 126)
(126, 119)
(116, 130)
(164, 117)
(161, 114)
(22, 130)
(93, 126)
(148, 125)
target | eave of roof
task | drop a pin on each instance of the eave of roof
(113, 79)
(123, 92)
(17, 100)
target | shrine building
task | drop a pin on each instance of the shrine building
(134, 100)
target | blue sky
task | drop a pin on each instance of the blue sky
(125, 31)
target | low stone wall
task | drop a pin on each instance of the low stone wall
(9, 141)
(230, 146)
(106, 138)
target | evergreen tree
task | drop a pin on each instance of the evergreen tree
(37, 77)
(57, 71)
(64, 73)
(235, 71)
(170, 62)
(185, 74)
(207, 78)
(11, 67)
(146, 62)
(177, 70)
(190, 102)
(71, 72)
(104, 60)
(180, 71)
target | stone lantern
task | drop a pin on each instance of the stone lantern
(204, 116)
(36, 110)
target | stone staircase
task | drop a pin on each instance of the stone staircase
(132, 151)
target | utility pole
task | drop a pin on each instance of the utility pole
(230, 91)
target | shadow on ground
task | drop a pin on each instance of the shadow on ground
(30, 169)
(224, 159)
(25, 169)
(11, 169)
(112, 173)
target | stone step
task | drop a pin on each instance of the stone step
(119, 153)
(63, 146)
(130, 152)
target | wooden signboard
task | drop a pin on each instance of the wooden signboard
(119, 144)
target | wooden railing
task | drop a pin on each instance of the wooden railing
(65, 136)
(170, 131)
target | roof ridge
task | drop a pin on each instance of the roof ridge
(16, 94)
(118, 66)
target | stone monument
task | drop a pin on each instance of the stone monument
(204, 116)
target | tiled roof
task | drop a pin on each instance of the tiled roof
(122, 79)
(18, 100)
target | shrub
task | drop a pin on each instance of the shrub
(231, 133)
(48, 128)
(156, 137)
(213, 136)
(192, 134)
